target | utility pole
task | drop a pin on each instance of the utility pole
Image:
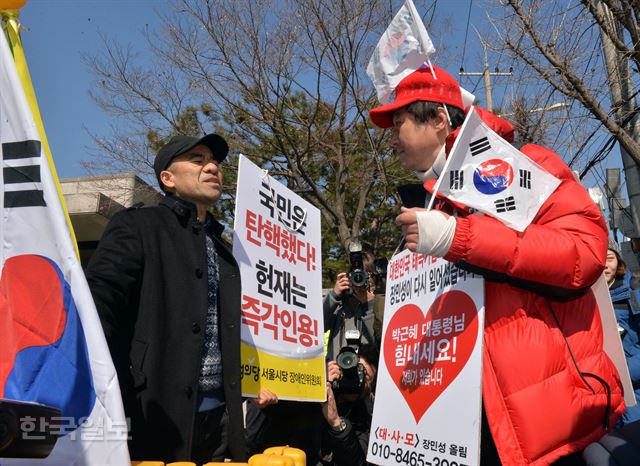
(624, 104)
(615, 202)
(486, 74)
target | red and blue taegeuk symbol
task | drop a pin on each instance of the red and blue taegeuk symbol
(493, 176)
(42, 341)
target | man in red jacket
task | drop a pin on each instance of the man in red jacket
(548, 388)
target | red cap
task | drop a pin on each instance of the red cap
(420, 85)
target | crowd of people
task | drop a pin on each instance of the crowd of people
(167, 290)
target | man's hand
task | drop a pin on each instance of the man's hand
(265, 398)
(333, 371)
(427, 231)
(342, 284)
(408, 222)
(329, 407)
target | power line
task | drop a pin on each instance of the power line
(486, 73)
(466, 34)
(599, 156)
(433, 12)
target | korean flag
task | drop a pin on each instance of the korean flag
(487, 173)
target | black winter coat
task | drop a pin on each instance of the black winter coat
(148, 278)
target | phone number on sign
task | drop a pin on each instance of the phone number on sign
(412, 458)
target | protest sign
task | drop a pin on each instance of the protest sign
(611, 341)
(431, 365)
(278, 248)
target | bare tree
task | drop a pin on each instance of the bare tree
(284, 81)
(560, 42)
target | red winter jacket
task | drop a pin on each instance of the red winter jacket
(548, 388)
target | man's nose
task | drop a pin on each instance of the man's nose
(211, 166)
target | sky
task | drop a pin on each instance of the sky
(56, 34)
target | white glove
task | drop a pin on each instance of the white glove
(435, 232)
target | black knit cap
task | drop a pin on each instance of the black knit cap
(180, 144)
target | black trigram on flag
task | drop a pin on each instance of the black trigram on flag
(456, 180)
(525, 179)
(21, 181)
(506, 204)
(479, 146)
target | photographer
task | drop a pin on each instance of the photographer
(348, 308)
(349, 406)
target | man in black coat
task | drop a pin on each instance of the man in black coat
(167, 290)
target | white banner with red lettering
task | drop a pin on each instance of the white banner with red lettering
(430, 368)
(277, 244)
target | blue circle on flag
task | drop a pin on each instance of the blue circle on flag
(493, 176)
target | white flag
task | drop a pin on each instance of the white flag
(487, 173)
(403, 48)
(52, 347)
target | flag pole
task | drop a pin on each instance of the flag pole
(11, 28)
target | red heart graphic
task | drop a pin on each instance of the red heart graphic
(424, 354)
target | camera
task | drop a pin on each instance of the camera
(17, 440)
(352, 380)
(358, 277)
(380, 274)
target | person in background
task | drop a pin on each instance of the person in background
(332, 433)
(625, 296)
(350, 308)
(347, 416)
(167, 290)
(272, 422)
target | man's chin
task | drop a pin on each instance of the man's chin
(409, 166)
(208, 200)
(214, 195)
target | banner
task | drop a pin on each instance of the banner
(431, 365)
(51, 341)
(278, 247)
(485, 172)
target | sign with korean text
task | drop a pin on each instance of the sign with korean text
(430, 366)
(277, 246)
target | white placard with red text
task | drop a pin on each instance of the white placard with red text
(277, 245)
(428, 396)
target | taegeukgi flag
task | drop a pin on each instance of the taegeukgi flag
(485, 172)
(52, 347)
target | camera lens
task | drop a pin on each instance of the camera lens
(347, 359)
(358, 278)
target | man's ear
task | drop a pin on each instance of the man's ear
(442, 120)
(166, 178)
